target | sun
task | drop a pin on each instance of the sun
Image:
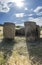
(19, 3)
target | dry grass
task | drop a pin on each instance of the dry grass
(14, 54)
(17, 59)
(19, 53)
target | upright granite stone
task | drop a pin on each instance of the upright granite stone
(31, 31)
(9, 30)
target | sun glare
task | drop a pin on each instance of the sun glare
(19, 3)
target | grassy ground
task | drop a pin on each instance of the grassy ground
(13, 52)
(20, 52)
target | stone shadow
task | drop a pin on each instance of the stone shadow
(6, 47)
(35, 51)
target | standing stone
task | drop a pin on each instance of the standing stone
(30, 31)
(9, 30)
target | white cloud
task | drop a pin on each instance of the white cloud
(4, 4)
(37, 10)
(39, 13)
(37, 20)
(18, 3)
(25, 8)
(30, 14)
(19, 15)
(4, 8)
(6, 1)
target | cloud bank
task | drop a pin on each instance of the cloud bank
(37, 20)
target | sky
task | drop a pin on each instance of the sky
(20, 11)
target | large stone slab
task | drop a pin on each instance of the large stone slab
(9, 30)
(31, 31)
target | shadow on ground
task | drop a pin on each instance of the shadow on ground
(6, 47)
(35, 52)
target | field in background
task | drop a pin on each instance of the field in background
(1, 31)
(41, 33)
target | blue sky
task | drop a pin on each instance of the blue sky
(19, 11)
